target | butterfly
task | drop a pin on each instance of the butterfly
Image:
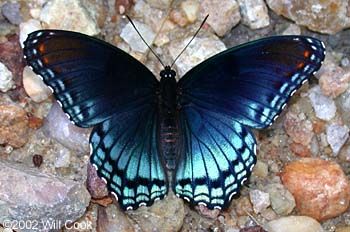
(192, 135)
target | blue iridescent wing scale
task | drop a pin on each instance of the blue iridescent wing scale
(218, 156)
(125, 150)
(246, 86)
(99, 85)
(85, 74)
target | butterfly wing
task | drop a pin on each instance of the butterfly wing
(244, 86)
(218, 156)
(99, 85)
(252, 83)
(90, 78)
(124, 150)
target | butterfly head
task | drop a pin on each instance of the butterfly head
(167, 72)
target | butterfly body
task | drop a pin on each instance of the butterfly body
(198, 127)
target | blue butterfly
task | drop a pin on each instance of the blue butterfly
(197, 129)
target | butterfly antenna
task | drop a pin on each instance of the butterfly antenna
(194, 36)
(132, 23)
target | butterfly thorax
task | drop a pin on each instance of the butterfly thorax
(168, 132)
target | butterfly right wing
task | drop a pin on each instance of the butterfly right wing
(125, 154)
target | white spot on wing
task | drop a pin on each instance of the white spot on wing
(115, 196)
(129, 208)
(95, 166)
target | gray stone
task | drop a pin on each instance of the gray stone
(69, 15)
(259, 199)
(223, 14)
(130, 36)
(293, 224)
(6, 78)
(34, 86)
(57, 126)
(337, 136)
(324, 106)
(254, 13)
(11, 11)
(282, 201)
(29, 195)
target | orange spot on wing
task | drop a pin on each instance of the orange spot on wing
(306, 53)
(41, 48)
(45, 60)
(300, 65)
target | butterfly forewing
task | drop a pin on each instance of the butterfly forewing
(91, 79)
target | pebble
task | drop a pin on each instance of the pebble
(223, 14)
(191, 9)
(301, 150)
(327, 17)
(337, 135)
(259, 199)
(111, 219)
(34, 86)
(179, 18)
(13, 126)
(323, 106)
(6, 78)
(298, 128)
(260, 169)
(130, 36)
(254, 13)
(294, 224)
(57, 126)
(28, 194)
(333, 80)
(282, 201)
(199, 50)
(243, 206)
(320, 188)
(292, 29)
(75, 17)
(343, 229)
(11, 11)
(166, 215)
(344, 101)
(26, 28)
(96, 186)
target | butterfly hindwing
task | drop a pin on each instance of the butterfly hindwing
(90, 78)
(218, 156)
(251, 83)
(124, 150)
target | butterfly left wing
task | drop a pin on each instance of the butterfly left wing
(247, 85)
(125, 153)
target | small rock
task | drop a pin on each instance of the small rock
(58, 127)
(11, 11)
(298, 128)
(75, 18)
(166, 215)
(320, 187)
(191, 9)
(343, 229)
(243, 206)
(293, 224)
(63, 158)
(6, 78)
(300, 150)
(208, 213)
(13, 125)
(260, 169)
(322, 16)
(254, 13)
(111, 219)
(333, 80)
(199, 50)
(130, 36)
(259, 199)
(223, 14)
(97, 188)
(344, 101)
(324, 106)
(30, 195)
(28, 27)
(179, 18)
(123, 6)
(34, 86)
(337, 136)
(292, 29)
(282, 201)
(344, 154)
